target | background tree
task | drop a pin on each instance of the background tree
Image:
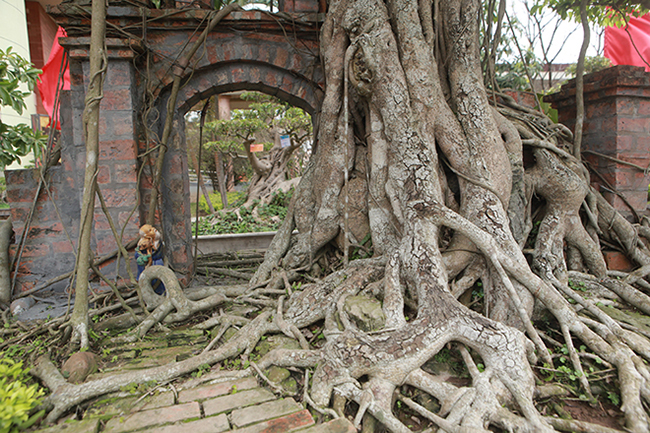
(263, 123)
(19, 140)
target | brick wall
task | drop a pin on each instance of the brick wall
(617, 125)
(262, 59)
(300, 6)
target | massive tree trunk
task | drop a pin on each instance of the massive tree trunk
(448, 204)
(269, 173)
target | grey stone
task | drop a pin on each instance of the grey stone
(366, 312)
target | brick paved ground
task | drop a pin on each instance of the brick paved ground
(237, 405)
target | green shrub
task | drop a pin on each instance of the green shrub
(18, 399)
(271, 216)
(234, 197)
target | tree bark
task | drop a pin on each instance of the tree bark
(94, 94)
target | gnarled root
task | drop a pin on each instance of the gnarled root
(174, 299)
(65, 396)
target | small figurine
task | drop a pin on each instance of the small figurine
(149, 252)
(148, 245)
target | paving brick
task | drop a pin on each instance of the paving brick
(85, 426)
(216, 390)
(157, 401)
(292, 422)
(213, 424)
(236, 401)
(339, 425)
(273, 409)
(149, 418)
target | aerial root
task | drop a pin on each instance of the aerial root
(379, 411)
(65, 396)
(288, 328)
(163, 306)
(439, 421)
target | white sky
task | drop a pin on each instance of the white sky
(564, 44)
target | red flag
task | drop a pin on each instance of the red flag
(50, 77)
(620, 43)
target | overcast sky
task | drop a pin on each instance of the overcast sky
(565, 42)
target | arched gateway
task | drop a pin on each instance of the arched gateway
(272, 53)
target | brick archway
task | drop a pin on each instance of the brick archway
(274, 54)
(271, 64)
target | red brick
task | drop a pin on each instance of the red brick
(39, 229)
(101, 222)
(626, 142)
(62, 247)
(255, 75)
(179, 257)
(634, 124)
(103, 175)
(117, 150)
(116, 99)
(129, 218)
(287, 84)
(125, 173)
(153, 417)
(20, 195)
(118, 74)
(106, 244)
(216, 390)
(33, 251)
(238, 75)
(19, 214)
(644, 108)
(271, 79)
(616, 261)
(119, 197)
(284, 424)
(626, 107)
(600, 109)
(281, 57)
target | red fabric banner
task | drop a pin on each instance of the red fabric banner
(50, 77)
(620, 43)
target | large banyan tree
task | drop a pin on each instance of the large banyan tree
(407, 118)
(412, 151)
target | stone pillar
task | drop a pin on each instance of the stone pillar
(617, 127)
(53, 235)
(117, 164)
(175, 203)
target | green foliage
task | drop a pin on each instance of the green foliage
(614, 398)
(513, 75)
(234, 197)
(579, 286)
(203, 369)
(19, 400)
(263, 114)
(592, 64)
(18, 140)
(229, 222)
